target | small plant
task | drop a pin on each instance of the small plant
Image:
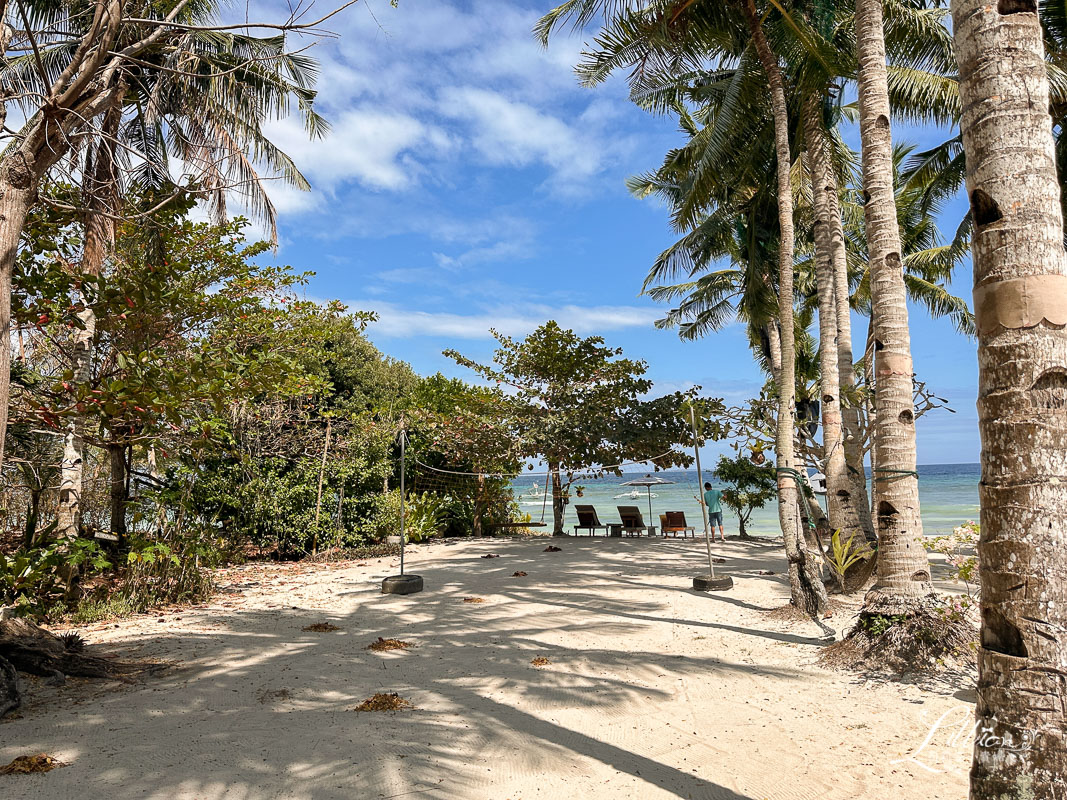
(878, 624)
(844, 554)
(960, 549)
(424, 516)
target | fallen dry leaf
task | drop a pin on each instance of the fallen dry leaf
(473, 599)
(321, 627)
(540, 661)
(384, 702)
(388, 644)
(27, 765)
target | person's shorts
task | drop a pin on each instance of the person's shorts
(715, 518)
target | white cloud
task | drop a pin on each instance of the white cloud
(419, 93)
(402, 323)
(373, 148)
(512, 133)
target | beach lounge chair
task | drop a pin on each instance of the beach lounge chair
(675, 524)
(588, 521)
(632, 521)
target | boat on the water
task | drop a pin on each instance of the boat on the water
(634, 495)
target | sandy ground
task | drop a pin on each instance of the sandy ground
(652, 690)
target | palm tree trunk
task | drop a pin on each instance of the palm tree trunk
(1020, 299)
(99, 193)
(17, 188)
(850, 415)
(840, 505)
(806, 589)
(903, 576)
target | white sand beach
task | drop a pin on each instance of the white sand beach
(652, 690)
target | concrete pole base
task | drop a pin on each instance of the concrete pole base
(705, 583)
(402, 584)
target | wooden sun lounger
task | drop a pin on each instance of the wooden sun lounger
(632, 521)
(675, 523)
(589, 521)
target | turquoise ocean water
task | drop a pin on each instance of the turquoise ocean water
(948, 494)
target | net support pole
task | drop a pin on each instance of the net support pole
(403, 509)
(700, 491)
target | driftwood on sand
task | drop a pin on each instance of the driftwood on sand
(27, 647)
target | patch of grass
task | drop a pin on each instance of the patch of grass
(87, 612)
(390, 701)
(321, 627)
(383, 645)
(28, 765)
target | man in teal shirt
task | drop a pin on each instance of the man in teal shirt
(712, 499)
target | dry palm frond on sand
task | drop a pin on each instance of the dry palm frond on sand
(382, 645)
(27, 765)
(321, 627)
(390, 701)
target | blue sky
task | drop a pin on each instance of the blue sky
(470, 182)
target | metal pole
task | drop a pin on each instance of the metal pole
(403, 442)
(700, 489)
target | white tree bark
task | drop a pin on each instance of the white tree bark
(903, 576)
(840, 490)
(850, 415)
(99, 195)
(1020, 296)
(806, 588)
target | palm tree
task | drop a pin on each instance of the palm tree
(1020, 279)
(65, 64)
(672, 35)
(903, 577)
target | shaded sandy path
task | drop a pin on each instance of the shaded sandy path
(653, 691)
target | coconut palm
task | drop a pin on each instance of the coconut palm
(197, 95)
(1020, 279)
(678, 35)
(66, 63)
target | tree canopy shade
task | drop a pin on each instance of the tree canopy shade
(578, 405)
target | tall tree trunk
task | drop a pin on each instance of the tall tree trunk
(903, 576)
(558, 509)
(1020, 301)
(806, 588)
(840, 502)
(850, 414)
(116, 451)
(18, 186)
(99, 196)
